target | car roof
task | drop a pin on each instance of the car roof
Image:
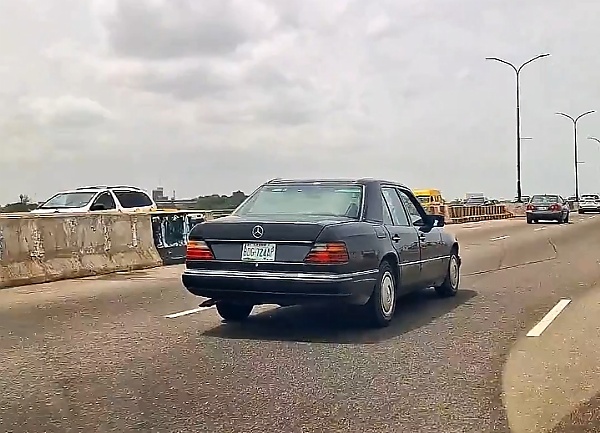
(357, 181)
(103, 188)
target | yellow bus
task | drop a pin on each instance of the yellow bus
(429, 197)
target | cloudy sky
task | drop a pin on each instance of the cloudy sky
(205, 96)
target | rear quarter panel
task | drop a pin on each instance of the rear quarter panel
(364, 247)
(448, 240)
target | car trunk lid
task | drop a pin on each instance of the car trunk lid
(249, 240)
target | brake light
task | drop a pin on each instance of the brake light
(198, 250)
(555, 207)
(328, 254)
(530, 207)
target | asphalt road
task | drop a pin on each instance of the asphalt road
(99, 355)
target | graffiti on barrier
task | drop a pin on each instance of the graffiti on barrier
(171, 230)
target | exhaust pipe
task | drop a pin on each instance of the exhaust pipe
(208, 303)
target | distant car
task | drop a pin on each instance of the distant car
(98, 198)
(589, 203)
(362, 242)
(550, 207)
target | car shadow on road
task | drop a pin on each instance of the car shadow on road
(322, 324)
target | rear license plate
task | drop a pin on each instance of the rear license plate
(543, 208)
(258, 252)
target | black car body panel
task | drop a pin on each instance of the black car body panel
(420, 252)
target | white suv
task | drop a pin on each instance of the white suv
(589, 203)
(98, 198)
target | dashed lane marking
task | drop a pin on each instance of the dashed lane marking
(537, 330)
(186, 312)
(257, 310)
(499, 238)
(539, 228)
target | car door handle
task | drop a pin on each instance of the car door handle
(396, 238)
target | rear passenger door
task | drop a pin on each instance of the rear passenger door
(404, 239)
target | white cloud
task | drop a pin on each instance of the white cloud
(67, 111)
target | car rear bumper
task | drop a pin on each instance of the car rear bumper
(589, 208)
(283, 288)
(544, 214)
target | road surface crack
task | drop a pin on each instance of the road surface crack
(553, 247)
(518, 265)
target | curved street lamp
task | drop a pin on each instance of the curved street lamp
(517, 70)
(577, 162)
(595, 139)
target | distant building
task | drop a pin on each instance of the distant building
(165, 202)
(158, 194)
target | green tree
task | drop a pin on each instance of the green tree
(23, 205)
(218, 202)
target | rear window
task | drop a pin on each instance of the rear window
(544, 199)
(304, 199)
(131, 199)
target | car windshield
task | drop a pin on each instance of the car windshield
(304, 200)
(65, 200)
(544, 199)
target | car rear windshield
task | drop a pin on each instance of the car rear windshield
(66, 200)
(304, 200)
(544, 199)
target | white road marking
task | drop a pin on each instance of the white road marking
(537, 330)
(186, 312)
(499, 238)
(539, 228)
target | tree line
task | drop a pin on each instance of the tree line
(218, 202)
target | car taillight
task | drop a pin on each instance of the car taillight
(328, 254)
(555, 207)
(198, 250)
(530, 207)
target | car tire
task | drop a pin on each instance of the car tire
(450, 285)
(529, 220)
(567, 218)
(231, 312)
(581, 212)
(381, 307)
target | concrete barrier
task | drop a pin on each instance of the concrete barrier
(43, 248)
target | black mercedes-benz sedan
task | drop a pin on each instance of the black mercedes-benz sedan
(364, 242)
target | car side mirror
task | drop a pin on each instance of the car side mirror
(97, 207)
(434, 220)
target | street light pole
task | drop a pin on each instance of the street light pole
(517, 73)
(575, 120)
